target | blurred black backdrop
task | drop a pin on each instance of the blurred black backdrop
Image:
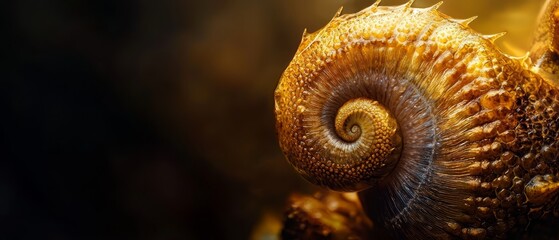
(117, 124)
(154, 119)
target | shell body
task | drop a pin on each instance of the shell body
(473, 151)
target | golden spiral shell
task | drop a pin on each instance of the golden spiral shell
(452, 137)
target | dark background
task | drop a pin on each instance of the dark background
(154, 119)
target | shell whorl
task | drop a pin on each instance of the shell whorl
(350, 60)
(449, 121)
(368, 133)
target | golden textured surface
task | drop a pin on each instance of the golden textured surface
(477, 127)
(326, 216)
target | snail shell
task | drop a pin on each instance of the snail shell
(447, 136)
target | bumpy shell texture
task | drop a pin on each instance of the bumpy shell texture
(449, 136)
